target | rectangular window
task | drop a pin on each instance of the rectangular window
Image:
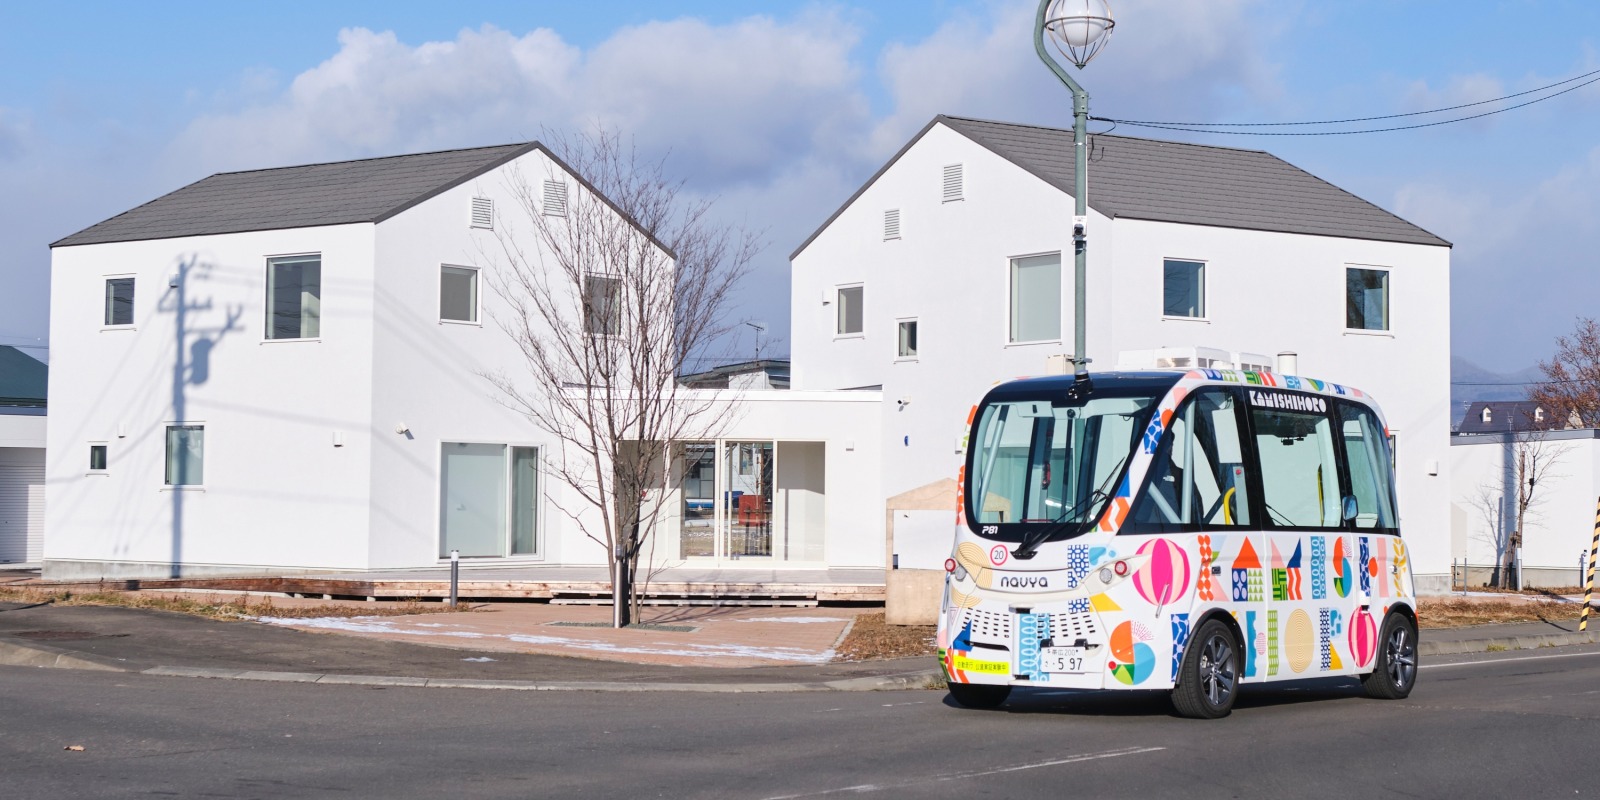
(119, 301)
(97, 458)
(851, 299)
(1198, 477)
(488, 500)
(1299, 472)
(458, 294)
(907, 347)
(1364, 446)
(186, 455)
(1036, 298)
(602, 305)
(1183, 288)
(294, 297)
(1366, 299)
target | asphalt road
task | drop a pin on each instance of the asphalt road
(1518, 724)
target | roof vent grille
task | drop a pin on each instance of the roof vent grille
(891, 224)
(555, 198)
(952, 182)
(482, 213)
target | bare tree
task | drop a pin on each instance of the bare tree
(612, 288)
(1571, 390)
(1531, 460)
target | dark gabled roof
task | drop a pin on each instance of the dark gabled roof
(23, 379)
(338, 193)
(1508, 416)
(1193, 184)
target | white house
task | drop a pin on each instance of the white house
(951, 269)
(291, 380)
(22, 441)
(1558, 530)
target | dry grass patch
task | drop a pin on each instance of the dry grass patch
(230, 607)
(1457, 612)
(872, 638)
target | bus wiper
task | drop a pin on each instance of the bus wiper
(1030, 544)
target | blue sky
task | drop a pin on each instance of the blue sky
(782, 108)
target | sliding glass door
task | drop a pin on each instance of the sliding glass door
(751, 500)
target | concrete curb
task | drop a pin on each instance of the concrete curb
(1427, 648)
(909, 680)
(20, 654)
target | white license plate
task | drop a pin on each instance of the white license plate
(1064, 659)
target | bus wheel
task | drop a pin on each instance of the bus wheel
(1394, 671)
(979, 695)
(1209, 677)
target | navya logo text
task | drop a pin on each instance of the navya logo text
(1021, 582)
(1293, 402)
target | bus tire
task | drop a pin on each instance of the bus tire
(1394, 670)
(979, 695)
(1208, 680)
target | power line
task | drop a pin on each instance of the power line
(1361, 119)
(1206, 127)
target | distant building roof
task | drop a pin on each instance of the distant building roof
(1195, 184)
(775, 369)
(23, 379)
(1509, 415)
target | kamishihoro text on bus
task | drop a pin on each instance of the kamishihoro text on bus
(1192, 531)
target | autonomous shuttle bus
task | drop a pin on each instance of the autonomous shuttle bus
(1191, 531)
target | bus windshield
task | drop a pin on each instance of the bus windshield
(1045, 468)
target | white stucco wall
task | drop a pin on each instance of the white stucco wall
(23, 430)
(1266, 292)
(1560, 525)
(278, 493)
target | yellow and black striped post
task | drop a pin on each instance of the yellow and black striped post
(1588, 582)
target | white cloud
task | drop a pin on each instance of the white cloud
(1184, 60)
(1523, 261)
(731, 102)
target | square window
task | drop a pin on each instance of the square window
(1036, 298)
(97, 458)
(294, 297)
(119, 301)
(1366, 293)
(602, 306)
(1183, 288)
(186, 455)
(850, 303)
(907, 347)
(458, 294)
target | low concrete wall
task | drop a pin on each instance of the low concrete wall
(913, 596)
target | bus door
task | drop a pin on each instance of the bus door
(1198, 496)
(1380, 553)
(1311, 553)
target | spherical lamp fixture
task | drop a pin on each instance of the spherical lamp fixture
(1079, 28)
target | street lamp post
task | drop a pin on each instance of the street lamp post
(1079, 28)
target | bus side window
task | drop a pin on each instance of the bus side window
(1198, 476)
(1364, 449)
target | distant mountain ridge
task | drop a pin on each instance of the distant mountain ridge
(1470, 383)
